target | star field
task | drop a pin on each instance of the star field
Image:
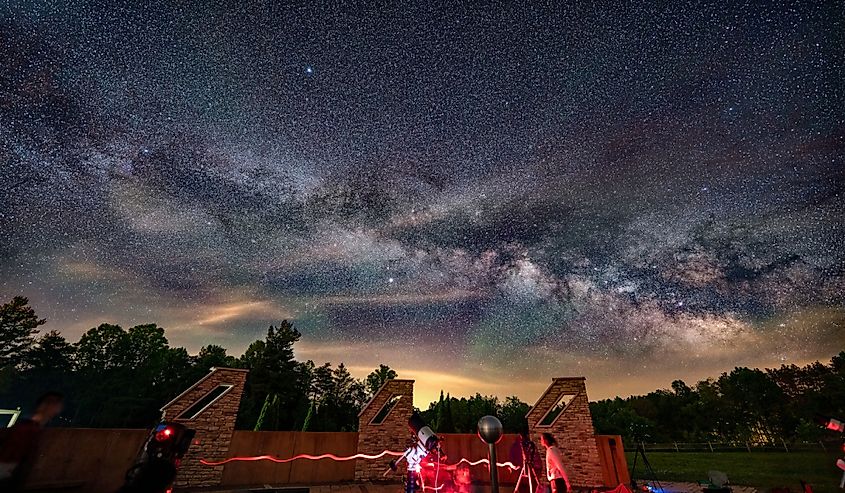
(482, 197)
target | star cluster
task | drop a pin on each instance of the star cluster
(474, 195)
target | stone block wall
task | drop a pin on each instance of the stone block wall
(390, 434)
(573, 430)
(214, 426)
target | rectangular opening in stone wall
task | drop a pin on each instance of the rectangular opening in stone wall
(201, 405)
(556, 410)
(8, 417)
(388, 406)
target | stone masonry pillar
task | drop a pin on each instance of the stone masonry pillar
(210, 407)
(383, 425)
(572, 427)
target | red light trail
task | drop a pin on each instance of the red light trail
(253, 458)
(300, 456)
(509, 465)
(384, 453)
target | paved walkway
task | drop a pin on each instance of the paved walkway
(325, 488)
(676, 487)
(668, 487)
(357, 488)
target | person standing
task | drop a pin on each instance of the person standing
(18, 445)
(555, 471)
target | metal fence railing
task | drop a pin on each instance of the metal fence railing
(781, 446)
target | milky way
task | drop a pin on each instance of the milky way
(480, 197)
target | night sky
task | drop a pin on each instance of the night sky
(481, 197)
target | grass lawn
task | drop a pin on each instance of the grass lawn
(763, 470)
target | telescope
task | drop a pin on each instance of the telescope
(424, 434)
(425, 442)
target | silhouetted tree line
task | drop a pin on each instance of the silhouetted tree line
(461, 415)
(114, 377)
(745, 405)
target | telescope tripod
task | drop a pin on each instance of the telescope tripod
(529, 474)
(640, 452)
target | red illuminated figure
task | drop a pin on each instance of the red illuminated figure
(463, 479)
(841, 465)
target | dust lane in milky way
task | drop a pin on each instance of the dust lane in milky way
(480, 197)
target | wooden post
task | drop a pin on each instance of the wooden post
(784, 444)
(710, 445)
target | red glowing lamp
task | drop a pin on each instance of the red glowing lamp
(835, 425)
(164, 435)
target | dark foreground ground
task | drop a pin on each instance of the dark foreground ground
(763, 470)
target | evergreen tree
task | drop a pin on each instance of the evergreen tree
(18, 326)
(445, 421)
(269, 417)
(377, 377)
(274, 371)
(307, 422)
(437, 419)
(50, 353)
(513, 413)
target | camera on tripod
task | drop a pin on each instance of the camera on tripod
(159, 459)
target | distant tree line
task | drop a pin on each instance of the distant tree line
(461, 415)
(113, 377)
(745, 405)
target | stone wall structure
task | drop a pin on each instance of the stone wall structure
(210, 407)
(391, 433)
(213, 420)
(573, 429)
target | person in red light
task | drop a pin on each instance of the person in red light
(434, 474)
(463, 479)
(19, 443)
(555, 471)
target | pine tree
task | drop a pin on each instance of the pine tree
(307, 422)
(18, 326)
(438, 416)
(447, 425)
(269, 417)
